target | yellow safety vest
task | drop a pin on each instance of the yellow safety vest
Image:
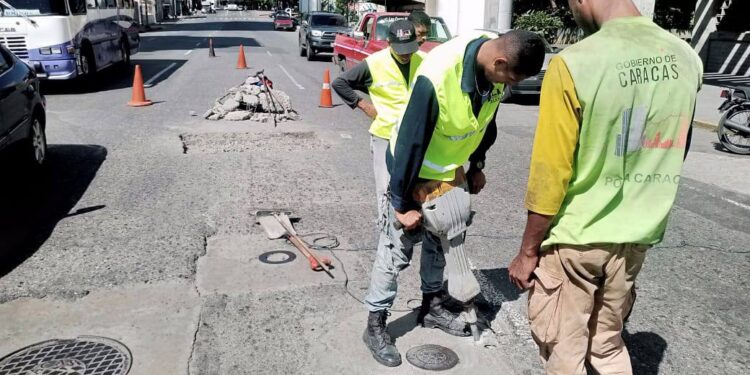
(457, 131)
(389, 90)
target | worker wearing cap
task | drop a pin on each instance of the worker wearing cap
(448, 122)
(386, 75)
(614, 127)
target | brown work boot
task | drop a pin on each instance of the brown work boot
(379, 341)
(432, 314)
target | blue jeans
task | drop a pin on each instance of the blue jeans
(395, 249)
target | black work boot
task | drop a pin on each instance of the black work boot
(432, 314)
(379, 341)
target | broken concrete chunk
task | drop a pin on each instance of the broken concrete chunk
(231, 104)
(238, 115)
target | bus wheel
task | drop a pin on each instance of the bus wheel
(88, 66)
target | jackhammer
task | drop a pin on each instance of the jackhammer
(448, 217)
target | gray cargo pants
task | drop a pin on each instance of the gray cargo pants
(395, 249)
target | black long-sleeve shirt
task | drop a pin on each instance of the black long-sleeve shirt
(359, 78)
(418, 125)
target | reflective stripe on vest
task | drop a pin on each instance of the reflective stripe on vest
(389, 90)
(458, 132)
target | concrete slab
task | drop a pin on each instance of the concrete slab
(231, 267)
(342, 351)
(156, 321)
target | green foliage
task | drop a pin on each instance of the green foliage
(543, 22)
(674, 14)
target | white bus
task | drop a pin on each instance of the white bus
(70, 38)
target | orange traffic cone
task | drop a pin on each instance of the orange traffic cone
(211, 52)
(325, 94)
(139, 93)
(241, 64)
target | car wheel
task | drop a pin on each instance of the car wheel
(302, 50)
(309, 52)
(507, 94)
(36, 146)
(124, 54)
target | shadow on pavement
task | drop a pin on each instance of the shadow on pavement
(33, 203)
(646, 351)
(113, 78)
(179, 42)
(523, 100)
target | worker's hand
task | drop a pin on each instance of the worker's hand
(477, 180)
(367, 108)
(410, 219)
(521, 268)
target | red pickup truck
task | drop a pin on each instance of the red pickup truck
(369, 36)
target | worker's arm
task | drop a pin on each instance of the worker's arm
(357, 78)
(475, 175)
(551, 165)
(414, 135)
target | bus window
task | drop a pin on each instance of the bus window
(78, 6)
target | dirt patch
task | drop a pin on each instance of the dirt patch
(214, 143)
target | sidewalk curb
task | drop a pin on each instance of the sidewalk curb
(705, 125)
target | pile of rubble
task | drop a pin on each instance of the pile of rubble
(251, 101)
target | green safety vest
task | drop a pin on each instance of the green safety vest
(389, 90)
(457, 131)
(637, 86)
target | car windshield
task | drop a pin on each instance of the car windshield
(33, 8)
(438, 31)
(328, 20)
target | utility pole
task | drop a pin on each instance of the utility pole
(505, 14)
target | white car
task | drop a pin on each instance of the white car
(232, 7)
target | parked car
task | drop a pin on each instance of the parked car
(283, 23)
(318, 31)
(22, 109)
(232, 7)
(370, 34)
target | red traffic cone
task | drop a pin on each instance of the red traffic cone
(241, 64)
(138, 99)
(326, 101)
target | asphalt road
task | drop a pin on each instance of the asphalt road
(131, 234)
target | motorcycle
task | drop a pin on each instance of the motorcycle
(734, 126)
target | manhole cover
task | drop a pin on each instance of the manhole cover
(89, 355)
(432, 357)
(277, 257)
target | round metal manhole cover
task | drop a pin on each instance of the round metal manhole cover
(432, 357)
(89, 355)
(277, 257)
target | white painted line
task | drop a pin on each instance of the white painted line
(730, 201)
(291, 78)
(150, 82)
(346, 136)
(197, 44)
(188, 52)
(269, 53)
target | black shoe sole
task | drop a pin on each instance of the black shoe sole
(428, 324)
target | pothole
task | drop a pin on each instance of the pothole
(214, 143)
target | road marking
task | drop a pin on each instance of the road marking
(197, 44)
(188, 52)
(291, 78)
(269, 53)
(730, 201)
(346, 136)
(150, 82)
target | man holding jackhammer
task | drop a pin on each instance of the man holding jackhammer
(386, 75)
(614, 127)
(449, 121)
